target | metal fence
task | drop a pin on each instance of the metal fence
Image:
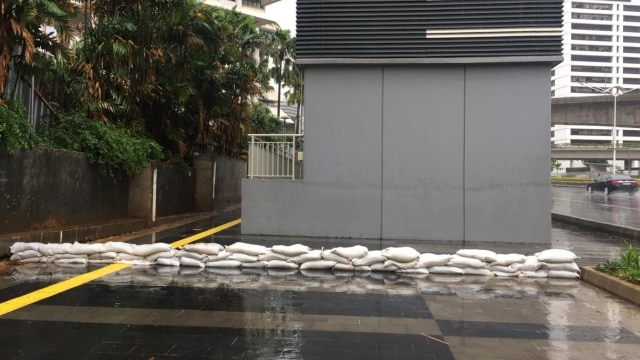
(275, 156)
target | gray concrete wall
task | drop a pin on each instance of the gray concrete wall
(175, 190)
(229, 174)
(416, 152)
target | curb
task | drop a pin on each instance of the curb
(617, 287)
(612, 229)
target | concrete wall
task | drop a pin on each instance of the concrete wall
(175, 190)
(416, 152)
(229, 174)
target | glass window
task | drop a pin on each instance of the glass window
(578, 26)
(595, 48)
(589, 37)
(581, 5)
(634, 133)
(603, 59)
(595, 69)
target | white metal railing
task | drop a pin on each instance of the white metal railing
(275, 156)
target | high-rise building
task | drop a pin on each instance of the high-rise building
(601, 47)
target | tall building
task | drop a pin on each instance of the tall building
(601, 47)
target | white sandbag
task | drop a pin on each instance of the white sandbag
(445, 270)
(308, 256)
(204, 248)
(108, 255)
(243, 258)
(381, 267)
(23, 246)
(127, 257)
(85, 249)
(330, 255)
(188, 261)
(68, 256)
(343, 267)
(534, 274)
(504, 269)
(372, 257)
(352, 252)
(270, 255)
(506, 274)
(193, 255)
(466, 262)
(118, 246)
(254, 265)
(53, 249)
(428, 259)
(223, 264)
(562, 274)
(221, 256)
(531, 263)
(36, 259)
(25, 254)
(479, 272)
(141, 262)
(483, 255)
(400, 265)
(571, 266)
(76, 260)
(172, 261)
(150, 249)
(556, 256)
(166, 254)
(290, 250)
(317, 265)
(249, 249)
(279, 264)
(420, 271)
(362, 268)
(403, 254)
(508, 259)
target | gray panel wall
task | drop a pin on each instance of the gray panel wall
(416, 152)
(423, 153)
(507, 194)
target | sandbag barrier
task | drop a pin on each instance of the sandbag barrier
(552, 263)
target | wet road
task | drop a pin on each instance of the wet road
(618, 208)
(258, 314)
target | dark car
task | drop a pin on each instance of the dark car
(609, 183)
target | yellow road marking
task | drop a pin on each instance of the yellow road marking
(51, 290)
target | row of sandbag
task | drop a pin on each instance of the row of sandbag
(548, 263)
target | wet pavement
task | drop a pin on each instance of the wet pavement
(187, 313)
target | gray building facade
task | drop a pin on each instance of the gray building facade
(424, 120)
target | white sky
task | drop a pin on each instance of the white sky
(284, 12)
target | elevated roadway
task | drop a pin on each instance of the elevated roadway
(594, 152)
(596, 110)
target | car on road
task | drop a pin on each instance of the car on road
(609, 183)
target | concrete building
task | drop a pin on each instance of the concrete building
(418, 121)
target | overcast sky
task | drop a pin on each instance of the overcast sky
(284, 12)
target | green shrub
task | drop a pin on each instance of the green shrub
(114, 149)
(627, 268)
(15, 130)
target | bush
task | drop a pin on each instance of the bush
(114, 149)
(627, 268)
(15, 130)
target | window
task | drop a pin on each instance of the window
(631, 39)
(583, 90)
(633, 133)
(589, 79)
(600, 17)
(603, 59)
(589, 37)
(595, 48)
(631, 81)
(632, 29)
(628, 18)
(590, 141)
(628, 70)
(252, 3)
(580, 5)
(591, 132)
(593, 69)
(631, 60)
(577, 26)
(631, 50)
(632, 8)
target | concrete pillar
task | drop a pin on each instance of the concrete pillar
(142, 195)
(204, 168)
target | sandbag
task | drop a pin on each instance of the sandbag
(270, 255)
(343, 267)
(168, 261)
(330, 255)
(150, 249)
(25, 254)
(76, 260)
(193, 255)
(23, 246)
(372, 257)
(308, 256)
(127, 257)
(483, 255)
(362, 268)
(479, 272)
(53, 249)
(381, 267)
(249, 249)
(400, 265)
(290, 250)
(204, 248)
(118, 246)
(508, 259)
(254, 265)
(562, 274)
(445, 270)
(167, 254)
(506, 274)
(556, 256)
(279, 264)
(466, 262)
(352, 252)
(534, 274)
(531, 263)
(403, 254)
(188, 261)
(243, 258)
(503, 269)
(85, 249)
(317, 265)
(221, 256)
(223, 264)
(428, 259)
(571, 266)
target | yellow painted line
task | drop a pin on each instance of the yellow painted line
(206, 233)
(51, 290)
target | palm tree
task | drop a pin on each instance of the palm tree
(281, 48)
(23, 30)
